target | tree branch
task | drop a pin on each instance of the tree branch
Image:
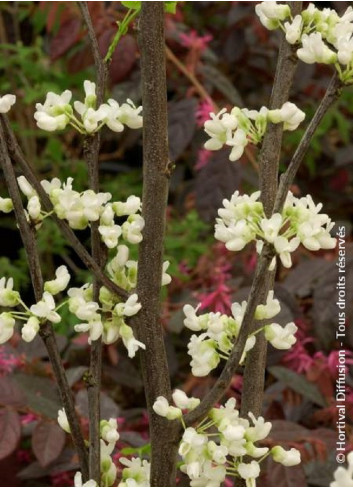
(254, 373)
(26, 169)
(91, 156)
(287, 178)
(164, 434)
(46, 332)
(222, 383)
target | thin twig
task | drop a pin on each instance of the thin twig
(46, 332)
(91, 156)
(26, 169)
(222, 383)
(156, 172)
(254, 373)
(287, 178)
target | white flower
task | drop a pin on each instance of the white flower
(132, 228)
(131, 206)
(192, 321)
(191, 440)
(54, 113)
(270, 309)
(34, 207)
(92, 118)
(130, 342)
(162, 408)
(8, 296)
(45, 309)
(204, 355)
(271, 227)
(260, 430)
(110, 235)
(281, 338)
(79, 305)
(286, 458)
(6, 102)
(166, 278)
(109, 430)
(60, 282)
(249, 472)
(270, 13)
(344, 47)
(30, 329)
(218, 128)
(289, 114)
(136, 472)
(294, 30)
(237, 141)
(119, 115)
(78, 481)
(6, 205)
(7, 324)
(63, 421)
(284, 248)
(94, 327)
(25, 187)
(344, 476)
(314, 50)
(182, 401)
(129, 308)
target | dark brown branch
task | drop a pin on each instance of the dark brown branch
(98, 61)
(287, 178)
(254, 373)
(46, 331)
(163, 433)
(26, 169)
(222, 383)
(91, 156)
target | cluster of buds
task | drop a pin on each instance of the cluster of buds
(242, 220)
(242, 126)
(57, 112)
(214, 449)
(322, 35)
(219, 332)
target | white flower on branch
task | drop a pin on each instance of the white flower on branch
(288, 458)
(30, 329)
(136, 472)
(6, 205)
(279, 337)
(7, 324)
(45, 309)
(8, 296)
(6, 102)
(60, 282)
(63, 421)
(343, 476)
(109, 430)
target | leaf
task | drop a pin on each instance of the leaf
(298, 383)
(132, 5)
(67, 461)
(40, 393)
(48, 441)
(10, 431)
(10, 394)
(66, 37)
(74, 374)
(222, 83)
(181, 126)
(170, 7)
(215, 182)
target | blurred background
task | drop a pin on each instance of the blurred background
(218, 55)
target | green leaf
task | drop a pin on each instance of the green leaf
(132, 5)
(298, 383)
(170, 7)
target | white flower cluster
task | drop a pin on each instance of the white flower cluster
(242, 220)
(344, 476)
(107, 320)
(109, 436)
(242, 126)
(182, 402)
(215, 448)
(6, 102)
(136, 472)
(219, 333)
(57, 112)
(323, 35)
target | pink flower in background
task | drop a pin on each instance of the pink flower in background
(63, 479)
(203, 111)
(9, 361)
(28, 418)
(298, 358)
(192, 40)
(203, 158)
